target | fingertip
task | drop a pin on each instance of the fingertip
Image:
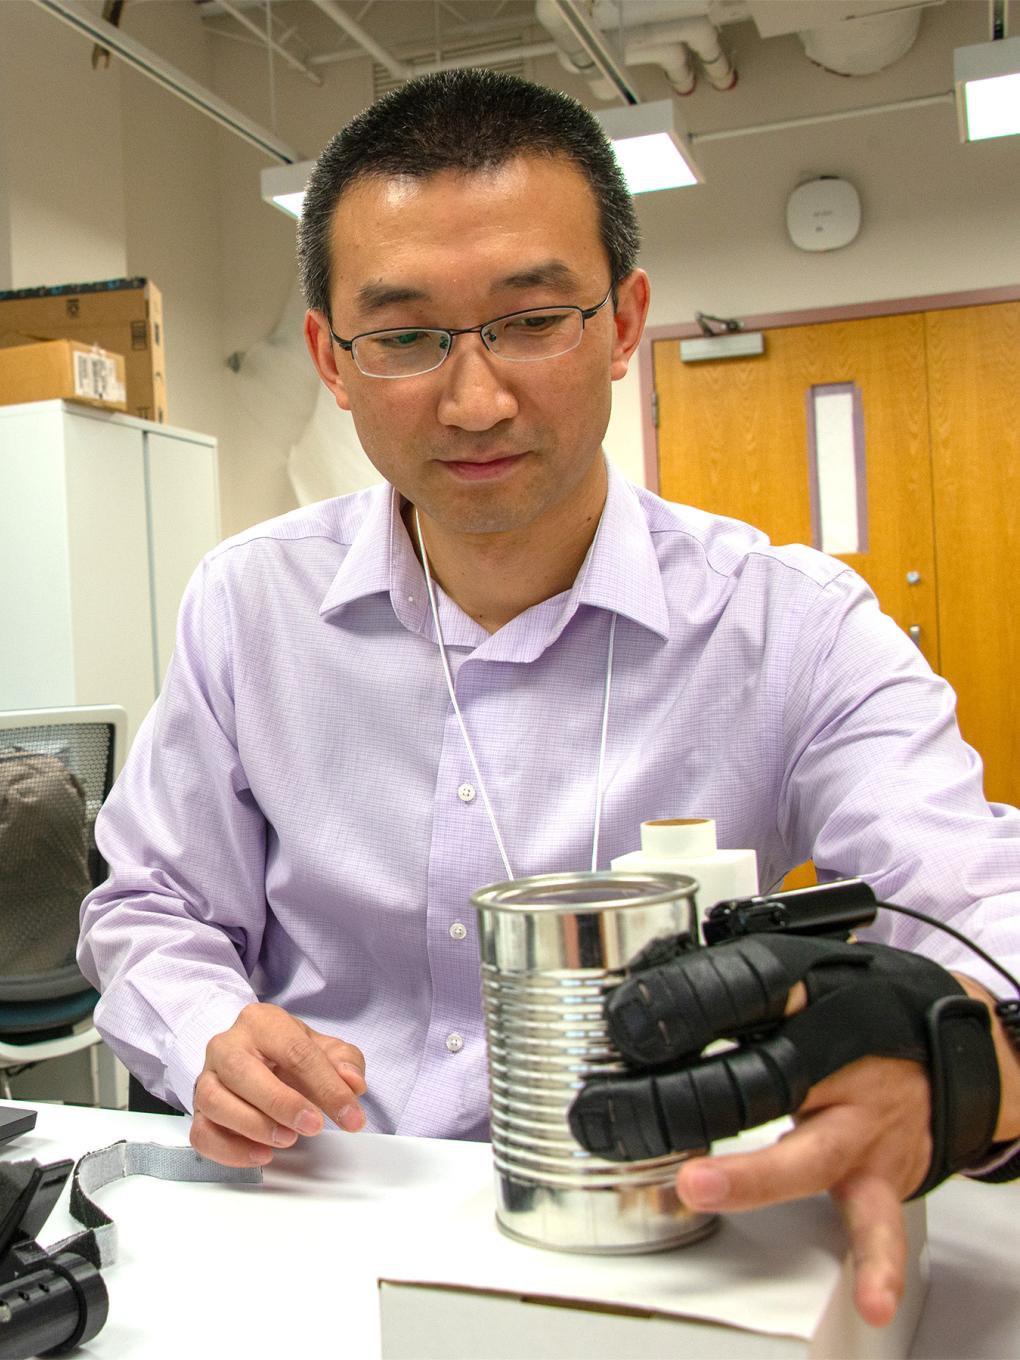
(703, 1184)
(351, 1118)
(876, 1304)
(353, 1076)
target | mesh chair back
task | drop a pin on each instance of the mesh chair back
(53, 780)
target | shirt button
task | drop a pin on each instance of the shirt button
(466, 793)
(454, 1043)
(458, 931)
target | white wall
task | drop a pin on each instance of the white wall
(61, 156)
(173, 223)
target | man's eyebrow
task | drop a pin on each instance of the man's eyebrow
(554, 273)
(373, 297)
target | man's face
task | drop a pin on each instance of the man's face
(481, 445)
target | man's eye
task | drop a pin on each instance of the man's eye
(402, 339)
(535, 322)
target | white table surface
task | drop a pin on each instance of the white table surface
(290, 1267)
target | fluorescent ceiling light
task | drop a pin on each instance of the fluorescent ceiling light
(284, 186)
(988, 89)
(650, 146)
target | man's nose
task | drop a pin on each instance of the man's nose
(475, 394)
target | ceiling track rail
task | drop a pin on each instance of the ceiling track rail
(595, 46)
(150, 64)
(814, 119)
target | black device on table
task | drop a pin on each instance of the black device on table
(49, 1303)
(14, 1122)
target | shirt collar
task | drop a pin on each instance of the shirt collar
(381, 561)
(620, 572)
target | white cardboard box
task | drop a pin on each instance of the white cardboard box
(774, 1283)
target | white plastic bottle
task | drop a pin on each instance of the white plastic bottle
(687, 845)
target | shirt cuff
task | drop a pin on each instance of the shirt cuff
(999, 1157)
(186, 1058)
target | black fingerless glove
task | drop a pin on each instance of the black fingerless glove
(863, 1000)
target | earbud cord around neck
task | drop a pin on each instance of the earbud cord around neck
(463, 726)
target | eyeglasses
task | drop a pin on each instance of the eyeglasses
(520, 337)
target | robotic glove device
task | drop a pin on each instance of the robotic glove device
(863, 1000)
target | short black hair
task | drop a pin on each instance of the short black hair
(467, 120)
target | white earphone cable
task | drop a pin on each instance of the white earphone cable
(453, 697)
(602, 746)
(463, 726)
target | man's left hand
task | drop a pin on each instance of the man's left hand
(842, 1037)
(862, 1135)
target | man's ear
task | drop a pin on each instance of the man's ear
(322, 348)
(629, 319)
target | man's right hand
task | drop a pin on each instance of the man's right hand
(268, 1079)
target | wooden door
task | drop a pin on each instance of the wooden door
(974, 384)
(733, 439)
(940, 393)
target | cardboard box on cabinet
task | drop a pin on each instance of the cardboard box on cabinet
(122, 316)
(63, 369)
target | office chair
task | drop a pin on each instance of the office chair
(56, 768)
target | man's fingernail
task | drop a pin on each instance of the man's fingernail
(351, 1117)
(705, 1187)
(261, 1156)
(349, 1070)
(307, 1122)
(887, 1303)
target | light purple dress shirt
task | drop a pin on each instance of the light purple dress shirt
(292, 824)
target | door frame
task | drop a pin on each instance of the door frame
(810, 316)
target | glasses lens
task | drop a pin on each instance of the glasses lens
(541, 334)
(400, 354)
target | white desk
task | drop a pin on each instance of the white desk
(289, 1267)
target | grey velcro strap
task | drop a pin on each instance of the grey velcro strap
(98, 1243)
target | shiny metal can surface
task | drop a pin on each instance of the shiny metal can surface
(552, 946)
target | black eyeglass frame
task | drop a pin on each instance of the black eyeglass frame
(586, 314)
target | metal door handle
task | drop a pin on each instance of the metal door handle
(914, 632)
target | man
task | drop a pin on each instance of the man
(302, 820)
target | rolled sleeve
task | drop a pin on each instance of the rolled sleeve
(172, 936)
(881, 785)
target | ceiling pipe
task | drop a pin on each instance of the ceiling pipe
(658, 43)
(150, 64)
(703, 38)
(270, 42)
(673, 58)
(350, 26)
(494, 58)
(566, 14)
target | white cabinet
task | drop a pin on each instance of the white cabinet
(103, 518)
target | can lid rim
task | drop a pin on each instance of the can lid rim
(630, 889)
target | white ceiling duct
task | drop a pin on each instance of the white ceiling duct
(862, 46)
(667, 45)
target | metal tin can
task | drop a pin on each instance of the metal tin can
(552, 946)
